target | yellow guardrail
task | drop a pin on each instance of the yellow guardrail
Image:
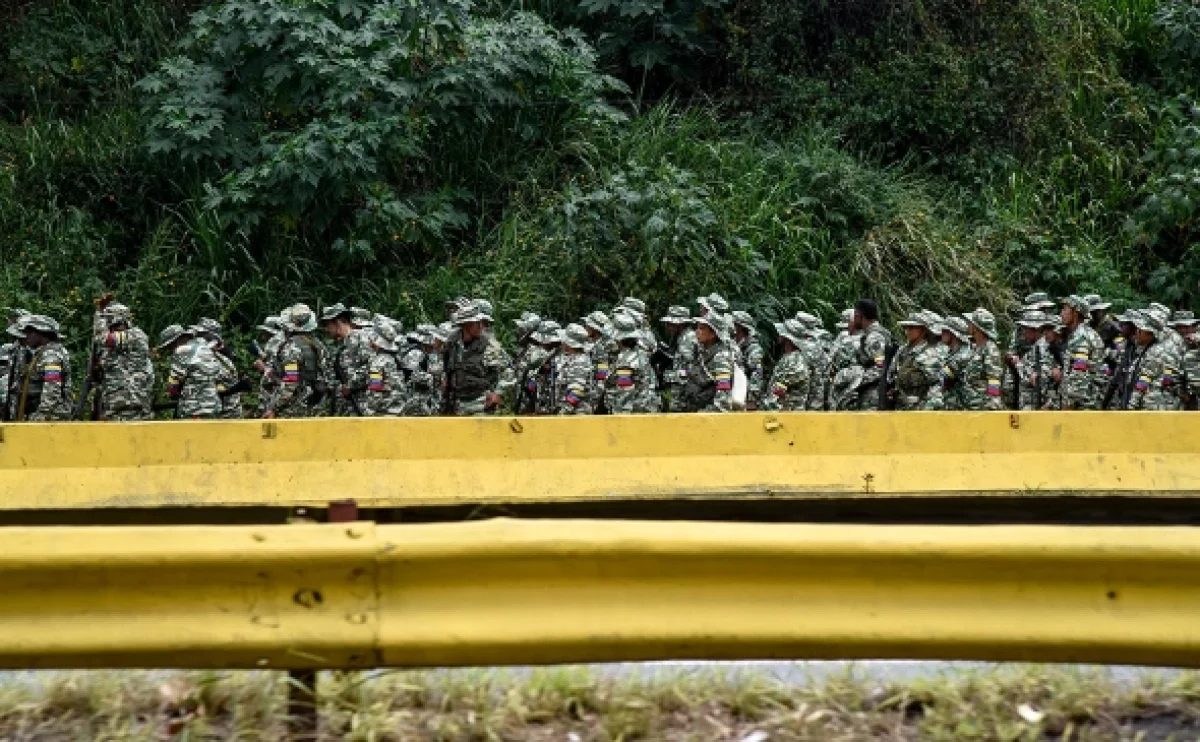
(395, 462)
(359, 595)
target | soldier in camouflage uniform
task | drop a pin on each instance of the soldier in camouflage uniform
(788, 389)
(1185, 323)
(270, 340)
(230, 380)
(1018, 346)
(871, 353)
(841, 356)
(1080, 380)
(636, 308)
(682, 348)
(1033, 369)
(1154, 373)
(603, 350)
(1175, 348)
(980, 381)
(415, 365)
(192, 379)
(746, 338)
(350, 359)
(541, 383)
(917, 366)
(14, 357)
(126, 383)
(816, 359)
(45, 392)
(576, 374)
(532, 354)
(386, 393)
(632, 386)
(478, 371)
(1100, 321)
(1118, 363)
(301, 368)
(709, 387)
(949, 393)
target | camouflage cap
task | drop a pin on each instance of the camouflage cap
(1078, 303)
(624, 327)
(299, 318)
(677, 315)
(1183, 318)
(743, 320)
(790, 329)
(361, 318)
(956, 326)
(384, 333)
(636, 305)
(170, 334)
(485, 308)
(528, 322)
(115, 314)
(598, 321)
(209, 326)
(808, 321)
(575, 336)
(467, 313)
(984, 320)
(714, 302)
(272, 324)
(41, 323)
(720, 324)
(548, 332)
(333, 311)
(1096, 302)
(1038, 300)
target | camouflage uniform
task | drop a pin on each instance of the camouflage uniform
(267, 383)
(980, 382)
(123, 356)
(604, 350)
(842, 352)
(871, 355)
(816, 359)
(1189, 384)
(416, 364)
(545, 376)
(788, 389)
(351, 360)
(527, 359)
(1155, 373)
(301, 368)
(683, 356)
(1017, 346)
(949, 394)
(1034, 364)
(476, 369)
(1084, 357)
(385, 393)
(709, 387)
(1176, 348)
(192, 379)
(45, 392)
(576, 374)
(631, 385)
(917, 368)
(229, 378)
(752, 359)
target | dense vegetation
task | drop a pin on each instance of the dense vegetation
(229, 157)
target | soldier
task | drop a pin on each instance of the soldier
(681, 350)
(14, 357)
(545, 376)
(637, 309)
(531, 354)
(192, 380)
(229, 382)
(816, 359)
(788, 389)
(981, 378)
(385, 394)
(1054, 333)
(126, 373)
(301, 368)
(949, 393)
(1185, 323)
(746, 338)
(487, 311)
(45, 392)
(1017, 347)
(265, 350)
(603, 350)
(1154, 373)
(1118, 365)
(874, 347)
(1027, 368)
(709, 387)
(351, 359)
(1099, 320)
(576, 374)
(414, 365)
(1080, 379)
(478, 371)
(631, 385)
(917, 367)
(841, 356)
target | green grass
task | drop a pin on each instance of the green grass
(575, 703)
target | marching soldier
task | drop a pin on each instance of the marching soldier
(709, 387)
(917, 368)
(576, 374)
(385, 394)
(45, 391)
(352, 356)
(981, 377)
(874, 346)
(746, 339)
(194, 372)
(477, 369)
(681, 340)
(1080, 378)
(632, 384)
(1154, 373)
(1185, 323)
(788, 389)
(301, 368)
(956, 339)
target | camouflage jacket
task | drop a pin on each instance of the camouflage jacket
(386, 392)
(980, 380)
(631, 383)
(302, 370)
(709, 387)
(350, 366)
(818, 363)
(1191, 371)
(1034, 382)
(127, 382)
(1083, 381)
(789, 388)
(752, 360)
(573, 384)
(871, 354)
(193, 379)
(916, 370)
(841, 355)
(1155, 375)
(46, 385)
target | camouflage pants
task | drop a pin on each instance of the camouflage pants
(868, 398)
(473, 407)
(127, 414)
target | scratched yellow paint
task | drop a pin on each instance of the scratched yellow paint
(522, 592)
(496, 460)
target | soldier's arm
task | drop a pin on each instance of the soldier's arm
(53, 370)
(289, 380)
(1146, 384)
(722, 373)
(177, 374)
(875, 348)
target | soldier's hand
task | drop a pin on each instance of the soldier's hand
(269, 415)
(1012, 359)
(1033, 380)
(1056, 374)
(491, 401)
(105, 299)
(260, 367)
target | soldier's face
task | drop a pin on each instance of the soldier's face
(471, 330)
(949, 338)
(1031, 334)
(914, 334)
(856, 323)
(1188, 331)
(1068, 315)
(705, 334)
(1144, 337)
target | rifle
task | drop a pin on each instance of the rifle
(885, 400)
(1120, 379)
(662, 361)
(1037, 388)
(86, 388)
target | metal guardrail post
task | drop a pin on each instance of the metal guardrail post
(303, 710)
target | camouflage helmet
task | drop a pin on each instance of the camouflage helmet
(714, 302)
(676, 315)
(41, 323)
(333, 311)
(984, 320)
(625, 327)
(299, 318)
(170, 334)
(744, 320)
(808, 321)
(116, 314)
(790, 329)
(575, 336)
